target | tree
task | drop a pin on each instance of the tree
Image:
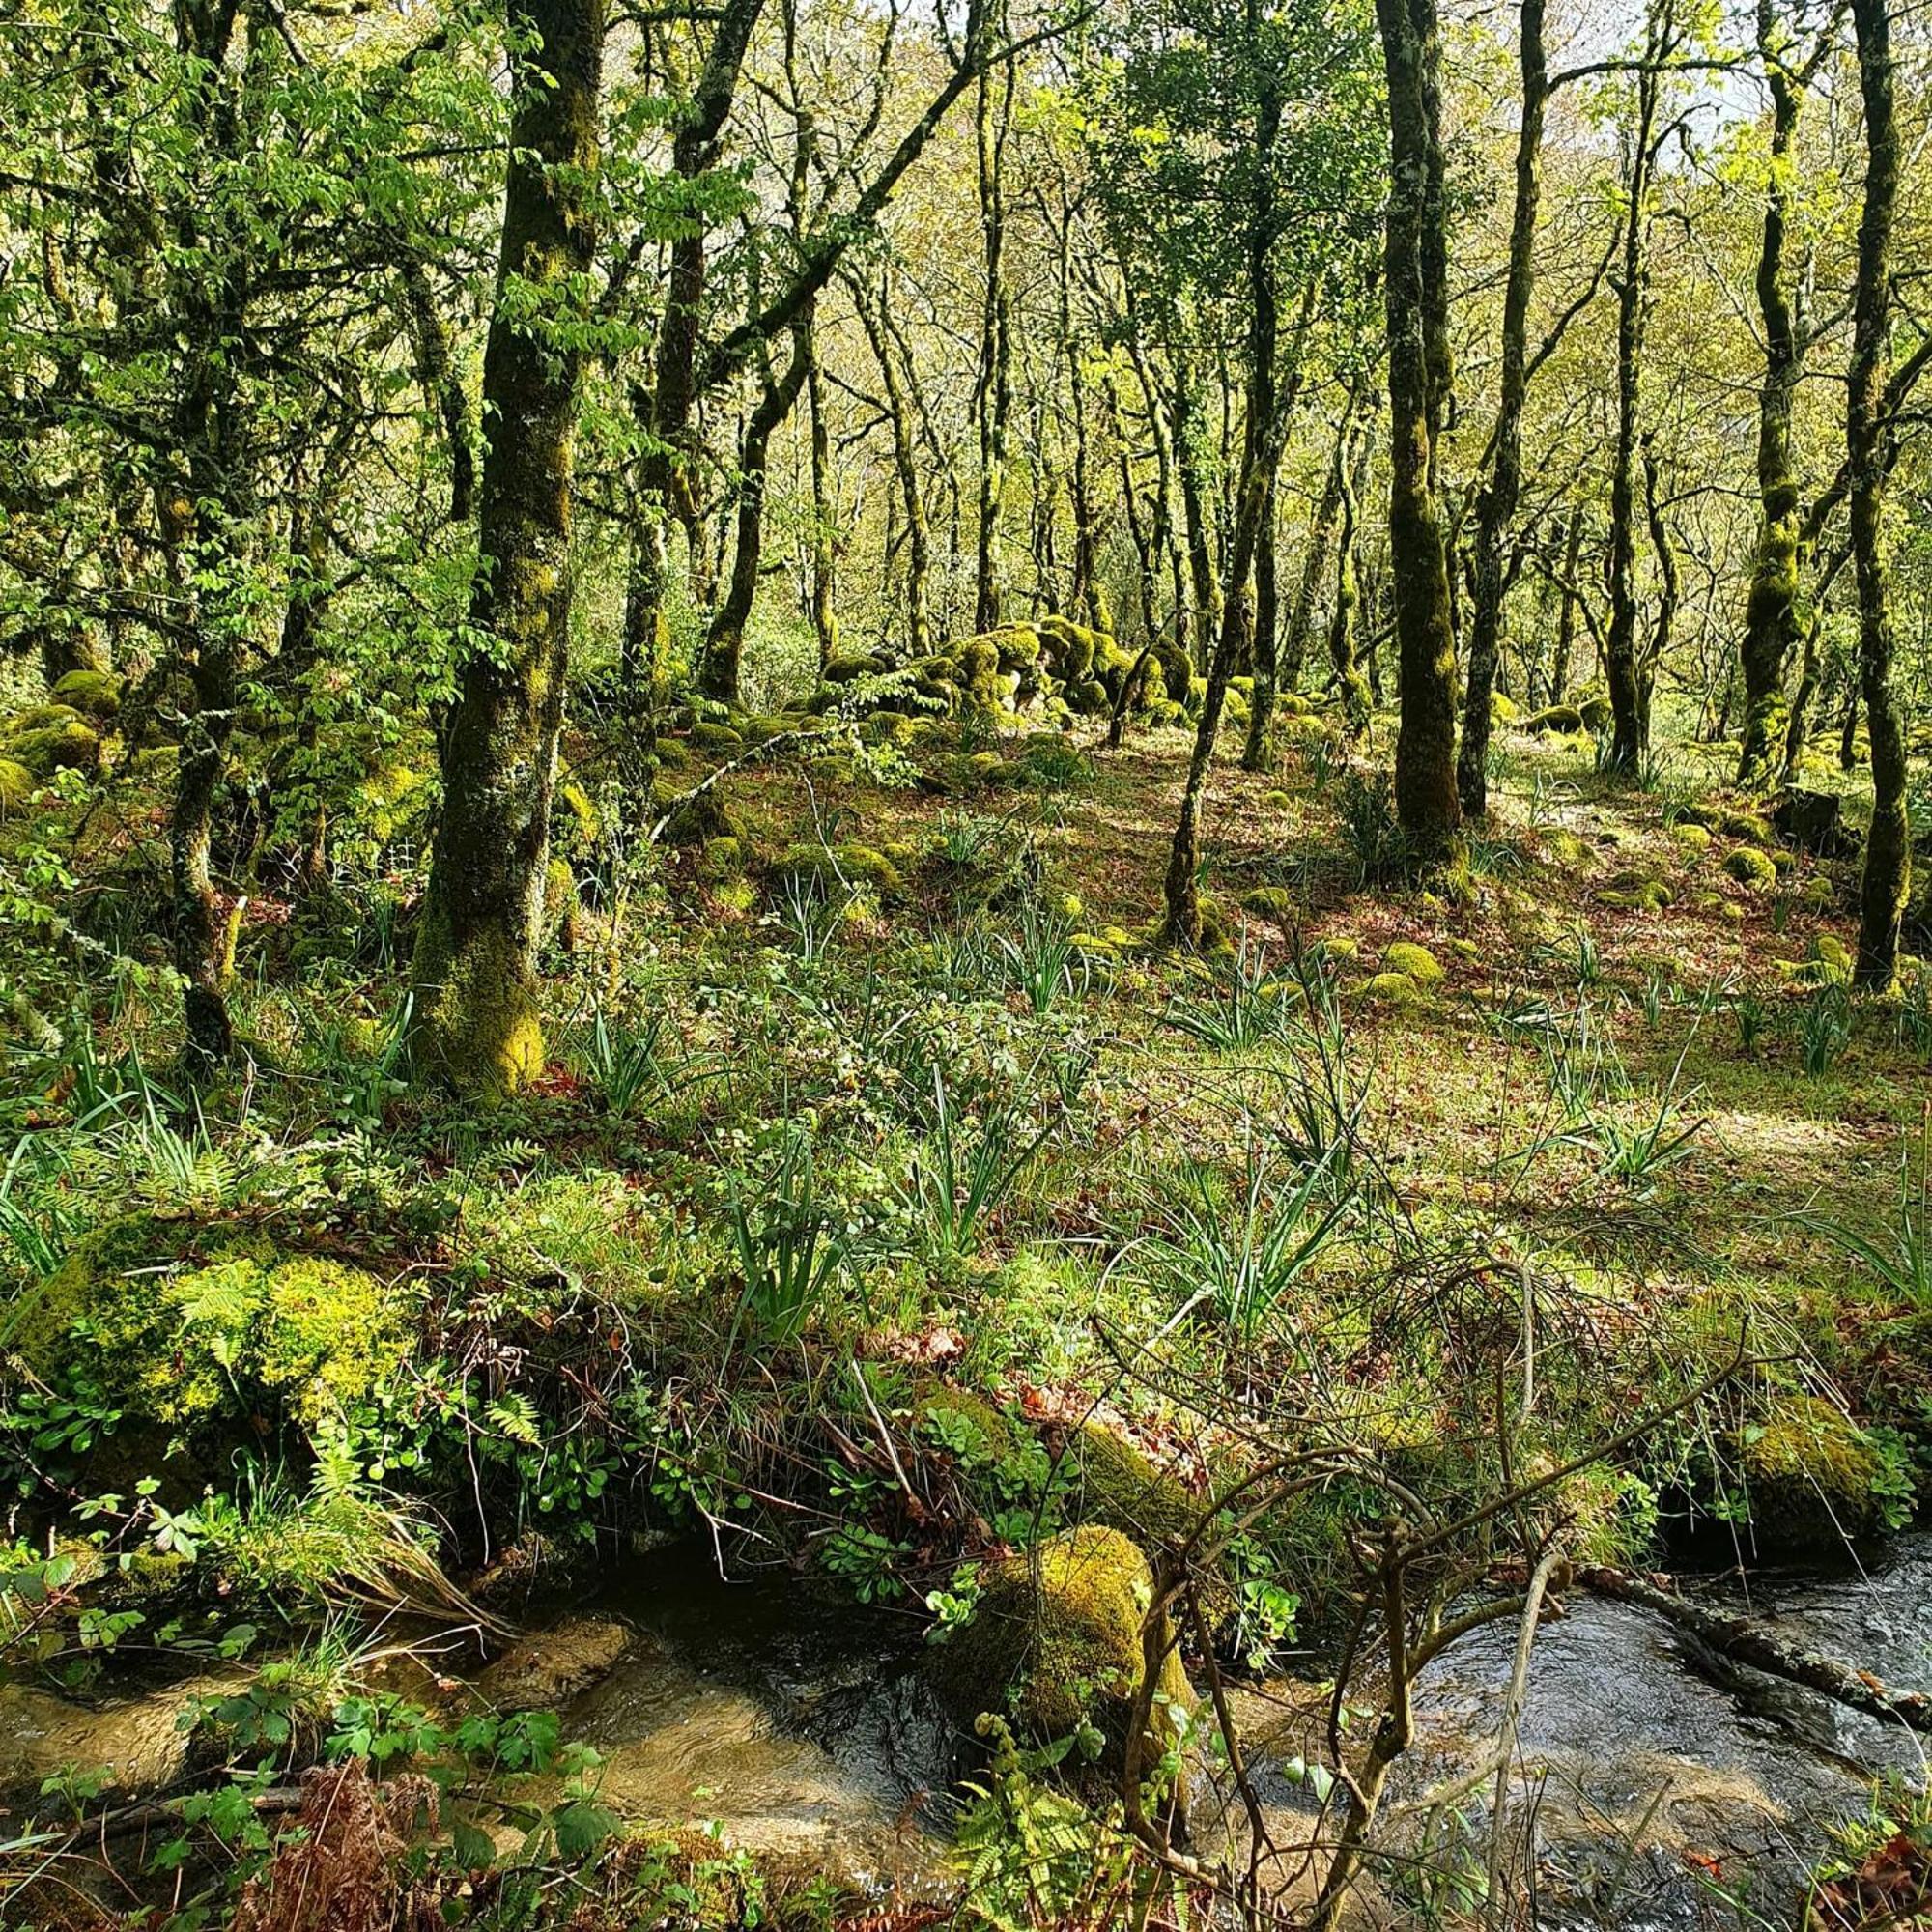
(1415, 292)
(1888, 867)
(476, 1004)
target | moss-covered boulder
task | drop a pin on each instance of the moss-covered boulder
(1111, 1483)
(94, 693)
(1415, 962)
(210, 1335)
(1811, 1477)
(16, 787)
(847, 864)
(1392, 990)
(1554, 720)
(710, 737)
(1276, 902)
(1690, 839)
(1056, 1639)
(1633, 892)
(697, 818)
(51, 738)
(1750, 866)
(1596, 714)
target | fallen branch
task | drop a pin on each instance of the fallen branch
(1749, 1642)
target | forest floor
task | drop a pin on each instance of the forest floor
(884, 1155)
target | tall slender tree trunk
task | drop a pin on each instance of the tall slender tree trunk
(1203, 581)
(1350, 685)
(1566, 614)
(1630, 684)
(1772, 620)
(876, 317)
(1260, 454)
(725, 640)
(1415, 296)
(994, 393)
(477, 1019)
(1315, 561)
(1887, 869)
(1266, 652)
(1496, 508)
(824, 535)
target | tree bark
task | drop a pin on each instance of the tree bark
(1771, 619)
(1349, 682)
(1415, 296)
(1628, 681)
(1887, 869)
(476, 1011)
(878, 325)
(1497, 507)
(725, 640)
(994, 395)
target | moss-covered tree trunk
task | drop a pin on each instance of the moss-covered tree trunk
(1887, 869)
(1314, 560)
(1259, 750)
(1566, 612)
(1496, 510)
(1416, 296)
(824, 534)
(1628, 681)
(1204, 584)
(476, 1012)
(993, 397)
(1773, 622)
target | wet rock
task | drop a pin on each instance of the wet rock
(550, 1667)
(139, 1742)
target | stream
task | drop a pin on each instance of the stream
(1651, 1778)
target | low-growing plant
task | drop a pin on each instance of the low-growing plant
(789, 1249)
(1253, 1004)
(1825, 1028)
(968, 1167)
(1042, 960)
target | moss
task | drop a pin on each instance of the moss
(1812, 1476)
(205, 1331)
(1750, 866)
(1746, 825)
(724, 858)
(560, 901)
(1503, 710)
(1596, 714)
(575, 824)
(1690, 839)
(95, 693)
(886, 727)
(17, 786)
(1633, 892)
(1396, 990)
(854, 863)
(389, 798)
(63, 743)
(714, 737)
(699, 819)
(1056, 1637)
(1558, 719)
(1414, 961)
(1117, 1487)
(845, 669)
(1276, 902)
(481, 1024)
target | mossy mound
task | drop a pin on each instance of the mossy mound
(94, 693)
(51, 738)
(699, 819)
(213, 1335)
(1690, 839)
(17, 786)
(1394, 989)
(1056, 1639)
(1812, 1476)
(1414, 962)
(1596, 714)
(848, 864)
(1276, 902)
(708, 737)
(1750, 866)
(1566, 848)
(1632, 892)
(1113, 1485)
(1554, 720)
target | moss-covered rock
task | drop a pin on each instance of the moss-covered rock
(16, 787)
(1056, 1639)
(710, 737)
(1276, 902)
(1112, 1484)
(1596, 714)
(1750, 866)
(699, 819)
(849, 863)
(1633, 892)
(1690, 839)
(94, 693)
(211, 1335)
(1415, 962)
(1812, 1476)
(52, 738)
(724, 858)
(1557, 720)
(1393, 989)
